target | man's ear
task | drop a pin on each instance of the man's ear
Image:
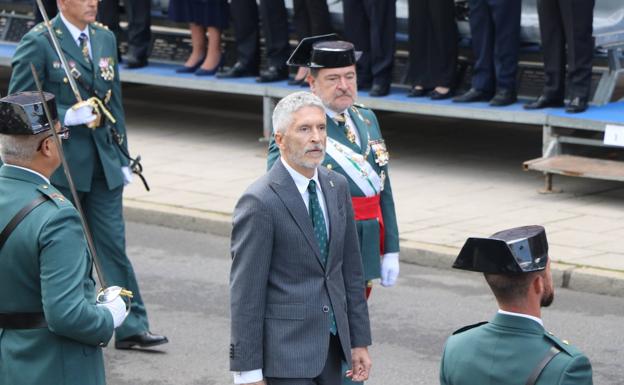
(311, 81)
(279, 138)
(538, 284)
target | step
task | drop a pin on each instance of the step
(578, 166)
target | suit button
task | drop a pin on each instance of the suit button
(325, 309)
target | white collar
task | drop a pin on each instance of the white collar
(538, 320)
(301, 181)
(75, 32)
(29, 170)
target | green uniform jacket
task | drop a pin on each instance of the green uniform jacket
(85, 145)
(45, 267)
(368, 230)
(505, 351)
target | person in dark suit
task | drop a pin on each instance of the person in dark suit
(204, 16)
(311, 18)
(495, 29)
(432, 48)
(371, 26)
(247, 33)
(50, 8)
(51, 329)
(97, 151)
(513, 348)
(296, 284)
(139, 27)
(566, 29)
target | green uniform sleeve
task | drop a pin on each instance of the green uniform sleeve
(578, 372)
(65, 286)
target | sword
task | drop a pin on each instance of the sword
(95, 103)
(107, 293)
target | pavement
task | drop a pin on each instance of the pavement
(452, 179)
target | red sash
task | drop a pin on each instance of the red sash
(370, 208)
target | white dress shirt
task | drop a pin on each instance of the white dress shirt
(538, 320)
(302, 183)
(75, 32)
(30, 171)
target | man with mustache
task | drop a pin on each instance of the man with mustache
(296, 285)
(355, 149)
(513, 348)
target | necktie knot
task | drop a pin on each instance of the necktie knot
(83, 38)
(341, 119)
(312, 187)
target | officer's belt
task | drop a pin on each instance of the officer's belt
(6, 232)
(552, 352)
(23, 321)
(366, 208)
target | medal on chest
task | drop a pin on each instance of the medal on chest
(381, 153)
(107, 69)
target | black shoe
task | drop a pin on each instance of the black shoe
(473, 95)
(418, 92)
(503, 98)
(379, 89)
(134, 62)
(577, 104)
(273, 74)
(435, 95)
(189, 70)
(143, 340)
(297, 82)
(543, 102)
(238, 70)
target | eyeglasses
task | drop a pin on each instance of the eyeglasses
(62, 134)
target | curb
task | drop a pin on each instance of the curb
(574, 277)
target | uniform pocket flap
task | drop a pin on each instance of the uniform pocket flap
(294, 311)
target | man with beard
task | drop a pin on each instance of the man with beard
(513, 348)
(296, 298)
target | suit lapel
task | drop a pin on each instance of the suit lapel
(331, 204)
(69, 46)
(284, 186)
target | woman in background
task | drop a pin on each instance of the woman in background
(432, 48)
(204, 16)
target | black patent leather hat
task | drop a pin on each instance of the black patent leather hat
(323, 51)
(22, 113)
(514, 251)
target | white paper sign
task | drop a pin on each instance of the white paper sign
(614, 135)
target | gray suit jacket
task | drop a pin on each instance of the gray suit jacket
(279, 289)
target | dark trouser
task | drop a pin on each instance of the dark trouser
(331, 374)
(139, 22)
(274, 25)
(432, 43)
(104, 215)
(371, 26)
(50, 8)
(311, 18)
(567, 23)
(495, 29)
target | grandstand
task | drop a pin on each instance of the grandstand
(573, 144)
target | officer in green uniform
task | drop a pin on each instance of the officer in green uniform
(355, 148)
(513, 348)
(97, 163)
(51, 330)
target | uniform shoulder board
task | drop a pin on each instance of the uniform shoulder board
(359, 105)
(563, 345)
(99, 25)
(465, 328)
(40, 27)
(56, 197)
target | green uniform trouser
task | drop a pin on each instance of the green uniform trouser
(104, 214)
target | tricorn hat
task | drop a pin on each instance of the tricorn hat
(323, 51)
(514, 251)
(22, 113)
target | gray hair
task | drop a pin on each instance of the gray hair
(19, 149)
(282, 114)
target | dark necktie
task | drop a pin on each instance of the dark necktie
(320, 232)
(84, 47)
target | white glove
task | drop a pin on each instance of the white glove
(117, 308)
(127, 175)
(389, 269)
(78, 116)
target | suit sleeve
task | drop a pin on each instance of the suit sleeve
(391, 228)
(273, 153)
(63, 267)
(578, 372)
(251, 247)
(352, 271)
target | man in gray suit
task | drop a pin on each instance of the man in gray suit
(296, 284)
